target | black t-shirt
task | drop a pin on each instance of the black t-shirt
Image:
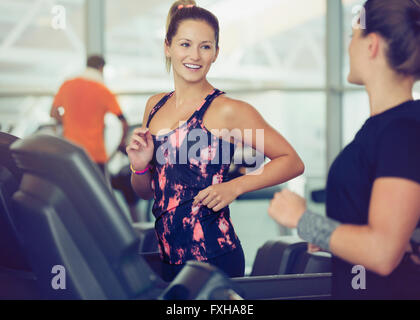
(388, 145)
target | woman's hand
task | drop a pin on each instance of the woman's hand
(216, 196)
(287, 208)
(314, 248)
(140, 149)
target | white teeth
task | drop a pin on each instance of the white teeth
(192, 66)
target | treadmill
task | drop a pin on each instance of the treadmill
(67, 215)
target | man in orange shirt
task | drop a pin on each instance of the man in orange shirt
(81, 104)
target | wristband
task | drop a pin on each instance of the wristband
(316, 229)
(139, 173)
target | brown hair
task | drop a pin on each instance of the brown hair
(96, 62)
(398, 22)
(187, 10)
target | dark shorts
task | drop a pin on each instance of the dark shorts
(232, 264)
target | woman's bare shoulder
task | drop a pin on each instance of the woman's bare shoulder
(151, 102)
(232, 110)
(230, 106)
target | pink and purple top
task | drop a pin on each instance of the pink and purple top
(187, 160)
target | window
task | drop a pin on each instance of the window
(257, 48)
(41, 44)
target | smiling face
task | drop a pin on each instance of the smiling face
(192, 50)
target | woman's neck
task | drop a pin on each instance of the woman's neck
(186, 93)
(388, 92)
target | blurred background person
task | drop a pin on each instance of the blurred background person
(80, 106)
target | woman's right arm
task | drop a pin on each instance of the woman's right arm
(140, 153)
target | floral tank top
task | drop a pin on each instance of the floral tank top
(187, 160)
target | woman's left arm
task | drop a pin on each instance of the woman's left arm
(378, 246)
(393, 215)
(285, 163)
(394, 206)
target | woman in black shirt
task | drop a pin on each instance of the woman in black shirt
(373, 187)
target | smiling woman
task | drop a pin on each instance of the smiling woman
(192, 196)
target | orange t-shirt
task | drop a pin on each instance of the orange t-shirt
(85, 104)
